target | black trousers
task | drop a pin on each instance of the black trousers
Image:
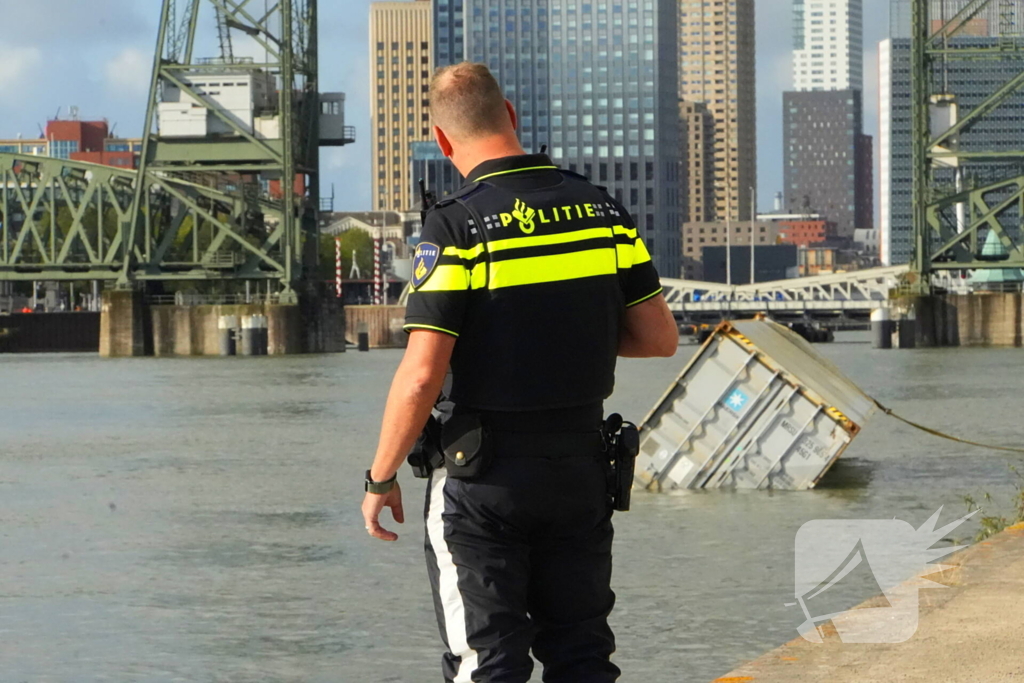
(520, 558)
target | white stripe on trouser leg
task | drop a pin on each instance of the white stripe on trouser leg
(448, 583)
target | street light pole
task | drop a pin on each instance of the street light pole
(728, 189)
(728, 245)
(753, 213)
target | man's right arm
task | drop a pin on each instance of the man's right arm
(649, 330)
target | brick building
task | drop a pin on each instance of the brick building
(806, 232)
(88, 141)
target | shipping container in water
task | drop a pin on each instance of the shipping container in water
(756, 408)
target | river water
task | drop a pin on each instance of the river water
(198, 519)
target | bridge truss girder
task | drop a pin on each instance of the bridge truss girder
(944, 241)
(68, 220)
(241, 163)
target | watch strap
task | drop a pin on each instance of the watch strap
(379, 487)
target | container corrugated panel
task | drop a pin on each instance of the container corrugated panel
(756, 408)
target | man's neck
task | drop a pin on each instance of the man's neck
(494, 147)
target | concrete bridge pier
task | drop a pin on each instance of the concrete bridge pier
(131, 327)
(937, 321)
(975, 319)
(123, 328)
(924, 322)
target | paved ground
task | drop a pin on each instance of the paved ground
(972, 632)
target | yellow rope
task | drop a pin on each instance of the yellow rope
(943, 435)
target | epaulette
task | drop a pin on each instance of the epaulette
(460, 193)
(573, 174)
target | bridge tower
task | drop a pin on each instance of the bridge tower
(230, 150)
(964, 186)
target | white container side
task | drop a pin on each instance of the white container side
(736, 418)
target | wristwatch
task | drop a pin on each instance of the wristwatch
(380, 487)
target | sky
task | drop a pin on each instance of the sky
(97, 55)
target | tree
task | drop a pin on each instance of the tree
(352, 239)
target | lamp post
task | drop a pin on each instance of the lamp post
(753, 213)
(728, 201)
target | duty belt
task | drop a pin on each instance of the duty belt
(546, 445)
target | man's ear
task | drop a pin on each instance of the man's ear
(512, 115)
(442, 142)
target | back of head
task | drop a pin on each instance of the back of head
(466, 102)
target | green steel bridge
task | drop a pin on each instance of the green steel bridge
(213, 203)
(66, 221)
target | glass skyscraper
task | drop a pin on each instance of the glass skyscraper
(596, 83)
(432, 167)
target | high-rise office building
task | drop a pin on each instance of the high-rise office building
(827, 167)
(716, 69)
(698, 134)
(827, 157)
(438, 174)
(828, 45)
(970, 83)
(592, 81)
(449, 43)
(400, 68)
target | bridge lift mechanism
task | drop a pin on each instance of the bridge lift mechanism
(228, 178)
(963, 190)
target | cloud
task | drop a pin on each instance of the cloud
(129, 72)
(77, 22)
(16, 65)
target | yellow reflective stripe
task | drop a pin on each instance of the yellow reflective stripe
(468, 254)
(446, 279)
(478, 278)
(542, 240)
(624, 252)
(644, 298)
(514, 170)
(640, 253)
(417, 326)
(555, 268)
(622, 230)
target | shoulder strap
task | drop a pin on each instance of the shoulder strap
(478, 223)
(462, 192)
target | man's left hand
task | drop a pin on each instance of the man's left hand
(374, 504)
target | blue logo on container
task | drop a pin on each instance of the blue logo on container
(737, 399)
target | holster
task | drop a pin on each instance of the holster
(622, 445)
(467, 450)
(426, 455)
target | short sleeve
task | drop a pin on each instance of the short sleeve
(440, 279)
(637, 273)
(642, 281)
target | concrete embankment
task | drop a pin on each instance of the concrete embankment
(970, 632)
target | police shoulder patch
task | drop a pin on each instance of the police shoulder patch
(424, 263)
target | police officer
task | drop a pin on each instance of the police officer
(527, 282)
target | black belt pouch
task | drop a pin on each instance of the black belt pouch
(467, 451)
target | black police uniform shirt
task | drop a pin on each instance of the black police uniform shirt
(531, 268)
